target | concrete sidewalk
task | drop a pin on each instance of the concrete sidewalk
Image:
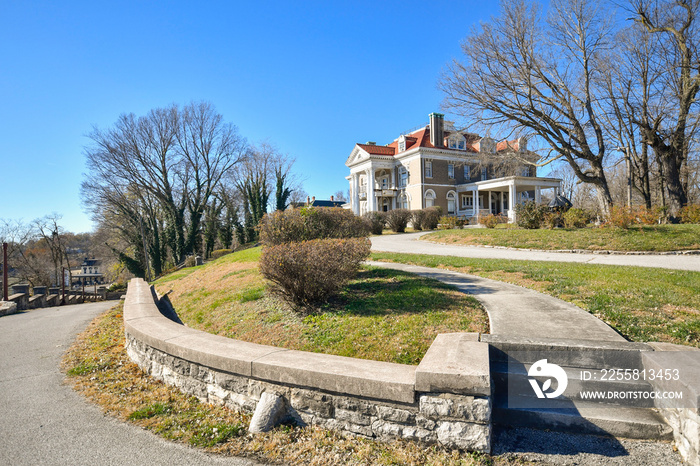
(410, 243)
(515, 311)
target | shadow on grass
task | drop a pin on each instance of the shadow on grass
(378, 291)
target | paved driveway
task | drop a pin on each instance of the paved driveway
(43, 421)
(410, 243)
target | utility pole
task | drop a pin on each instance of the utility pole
(5, 272)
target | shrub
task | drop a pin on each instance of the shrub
(310, 223)
(397, 219)
(553, 219)
(375, 222)
(530, 215)
(447, 222)
(644, 216)
(308, 272)
(576, 218)
(489, 221)
(220, 253)
(431, 218)
(620, 217)
(417, 219)
(690, 214)
(117, 286)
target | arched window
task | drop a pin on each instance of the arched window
(451, 203)
(429, 198)
(403, 201)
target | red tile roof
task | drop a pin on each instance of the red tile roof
(378, 150)
(512, 145)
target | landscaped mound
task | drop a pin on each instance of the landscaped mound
(382, 314)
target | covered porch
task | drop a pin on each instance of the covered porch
(501, 195)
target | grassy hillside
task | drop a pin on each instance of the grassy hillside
(383, 315)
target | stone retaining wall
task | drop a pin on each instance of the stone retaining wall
(682, 415)
(446, 399)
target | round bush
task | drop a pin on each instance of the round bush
(375, 221)
(310, 223)
(397, 219)
(309, 272)
(576, 218)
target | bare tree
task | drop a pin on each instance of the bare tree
(526, 74)
(670, 121)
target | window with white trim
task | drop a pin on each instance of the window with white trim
(467, 173)
(403, 201)
(467, 201)
(451, 171)
(403, 177)
(402, 143)
(428, 169)
(429, 199)
(484, 174)
(525, 171)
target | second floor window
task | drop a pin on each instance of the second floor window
(467, 173)
(484, 174)
(403, 177)
(451, 170)
(428, 169)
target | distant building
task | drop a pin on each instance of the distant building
(438, 165)
(89, 273)
(313, 202)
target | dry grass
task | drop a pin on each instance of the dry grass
(98, 366)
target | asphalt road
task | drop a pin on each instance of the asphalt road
(410, 243)
(43, 421)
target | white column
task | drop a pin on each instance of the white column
(356, 193)
(511, 201)
(538, 196)
(500, 200)
(490, 202)
(371, 198)
(475, 202)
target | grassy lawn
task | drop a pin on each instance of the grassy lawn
(643, 304)
(97, 366)
(383, 315)
(638, 238)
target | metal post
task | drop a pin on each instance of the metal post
(5, 273)
(83, 283)
(63, 285)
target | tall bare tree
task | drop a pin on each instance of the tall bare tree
(525, 72)
(670, 122)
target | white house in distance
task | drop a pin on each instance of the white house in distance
(437, 165)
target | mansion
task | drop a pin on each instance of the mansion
(437, 165)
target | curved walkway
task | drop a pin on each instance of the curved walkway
(515, 311)
(43, 421)
(410, 243)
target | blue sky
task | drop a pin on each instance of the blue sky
(313, 78)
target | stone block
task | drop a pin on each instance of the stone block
(465, 436)
(312, 402)
(396, 415)
(271, 409)
(418, 434)
(338, 374)
(360, 406)
(353, 417)
(464, 408)
(7, 308)
(386, 429)
(455, 363)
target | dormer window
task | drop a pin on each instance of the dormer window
(456, 141)
(402, 143)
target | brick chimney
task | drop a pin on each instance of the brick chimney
(331, 198)
(437, 124)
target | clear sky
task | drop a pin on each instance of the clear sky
(311, 77)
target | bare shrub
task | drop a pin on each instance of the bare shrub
(220, 253)
(576, 218)
(397, 219)
(690, 213)
(432, 218)
(417, 219)
(375, 221)
(308, 272)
